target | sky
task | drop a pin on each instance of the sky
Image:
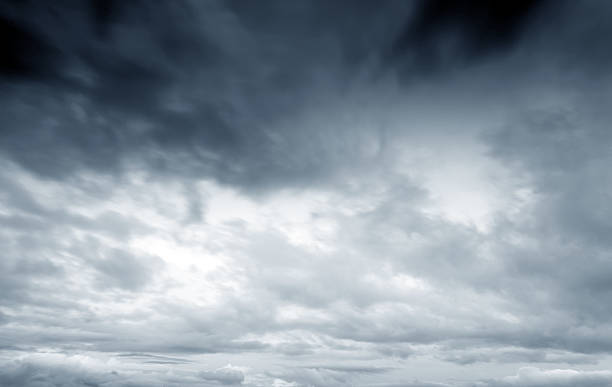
(305, 193)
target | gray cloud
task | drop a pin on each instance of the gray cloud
(135, 94)
(537, 377)
(71, 372)
(326, 194)
(127, 74)
(29, 374)
(224, 376)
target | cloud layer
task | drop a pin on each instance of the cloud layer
(305, 193)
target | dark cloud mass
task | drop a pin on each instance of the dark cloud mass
(442, 34)
(305, 193)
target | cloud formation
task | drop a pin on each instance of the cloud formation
(305, 194)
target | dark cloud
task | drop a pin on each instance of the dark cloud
(227, 89)
(328, 193)
(442, 34)
(130, 94)
(25, 54)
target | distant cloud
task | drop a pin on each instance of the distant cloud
(534, 377)
(225, 376)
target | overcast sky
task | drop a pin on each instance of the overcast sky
(305, 193)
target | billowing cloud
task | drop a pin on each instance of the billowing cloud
(305, 194)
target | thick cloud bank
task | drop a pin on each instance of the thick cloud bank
(312, 193)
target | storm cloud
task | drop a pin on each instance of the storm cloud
(311, 193)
